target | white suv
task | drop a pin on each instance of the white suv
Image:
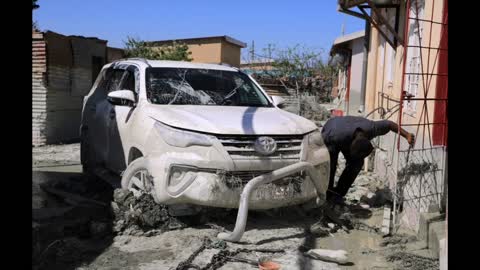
(202, 135)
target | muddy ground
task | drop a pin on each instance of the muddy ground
(75, 227)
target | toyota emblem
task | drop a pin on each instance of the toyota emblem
(265, 145)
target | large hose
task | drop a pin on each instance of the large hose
(241, 221)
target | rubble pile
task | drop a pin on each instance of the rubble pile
(318, 85)
(313, 111)
(141, 216)
(368, 188)
(71, 221)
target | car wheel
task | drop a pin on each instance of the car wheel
(137, 179)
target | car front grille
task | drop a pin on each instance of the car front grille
(241, 147)
(241, 178)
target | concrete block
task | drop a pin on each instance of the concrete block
(436, 232)
(443, 254)
(386, 220)
(425, 220)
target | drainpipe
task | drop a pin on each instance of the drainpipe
(366, 43)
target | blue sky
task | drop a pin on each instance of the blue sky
(314, 24)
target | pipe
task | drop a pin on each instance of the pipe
(366, 43)
(242, 214)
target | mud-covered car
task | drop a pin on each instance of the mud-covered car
(193, 134)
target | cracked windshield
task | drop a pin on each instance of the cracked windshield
(184, 86)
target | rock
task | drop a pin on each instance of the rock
(331, 225)
(128, 231)
(318, 229)
(365, 206)
(137, 233)
(119, 195)
(114, 207)
(382, 196)
(152, 233)
(174, 224)
(368, 198)
(337, 256)
(119, 225)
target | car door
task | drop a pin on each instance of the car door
(100, 124)
(120, 121)
(93, 131)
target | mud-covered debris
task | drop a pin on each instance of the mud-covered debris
(416, 169)
(319, 230)
(337, 256)
(413, 262)
(119, 195)
(378, 198)
(358, 225)
(63, 253)
(141, 216)
(398, 240)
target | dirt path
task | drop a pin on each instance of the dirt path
(69, 236)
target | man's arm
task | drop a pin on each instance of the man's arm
(408, 136)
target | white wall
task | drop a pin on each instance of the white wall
(356, 76)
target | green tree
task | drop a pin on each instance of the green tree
(298, 68)
(135, 47)
(34, 23)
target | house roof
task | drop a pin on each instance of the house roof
(349, 37)
(341, 43)
(225, 37)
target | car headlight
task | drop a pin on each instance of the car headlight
(182, 138)
(315, 138)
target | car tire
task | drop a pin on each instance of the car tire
(131, 176)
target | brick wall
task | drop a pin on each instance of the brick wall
(62, 76)
(39, 91)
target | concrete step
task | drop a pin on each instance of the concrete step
(432, 230)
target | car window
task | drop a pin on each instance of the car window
(114, 81)
(129, 81)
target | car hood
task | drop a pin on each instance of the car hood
(231, 120)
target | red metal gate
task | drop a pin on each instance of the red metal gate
(420, 170)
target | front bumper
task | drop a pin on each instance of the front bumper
(206, 182)
(187, 177)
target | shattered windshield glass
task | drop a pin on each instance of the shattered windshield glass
(187, 86)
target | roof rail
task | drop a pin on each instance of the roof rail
(134, 58)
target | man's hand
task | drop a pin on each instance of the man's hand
(411, 139)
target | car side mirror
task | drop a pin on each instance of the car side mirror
(121, 97)
(278, 101)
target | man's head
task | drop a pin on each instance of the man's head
(361, 146)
